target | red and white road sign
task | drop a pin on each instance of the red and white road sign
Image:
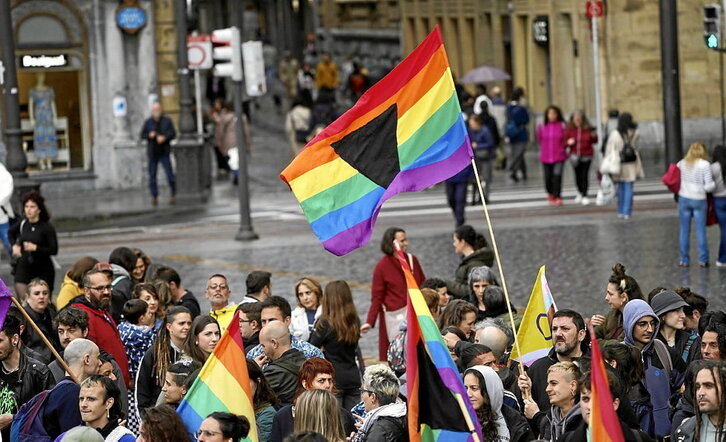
(594, 9)
(199, 51)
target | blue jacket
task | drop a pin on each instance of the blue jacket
(163, 127)
(482, 141)
(519, 115)
(652, 407)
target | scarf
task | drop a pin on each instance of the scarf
(396, 409)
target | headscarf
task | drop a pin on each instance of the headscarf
(495, 391)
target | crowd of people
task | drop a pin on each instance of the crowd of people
(133, 340)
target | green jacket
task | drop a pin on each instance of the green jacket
(459, 287)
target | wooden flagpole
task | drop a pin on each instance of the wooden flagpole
(499, 261)
(45, 340)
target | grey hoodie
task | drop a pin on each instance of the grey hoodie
(633, 312)
(495, 392)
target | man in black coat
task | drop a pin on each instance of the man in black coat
(158, 131)
(281, 362)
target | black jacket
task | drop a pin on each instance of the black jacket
(189, 301)
(251, 342)
(163, 127)
(32, 340)
(459, 287)
(519, 429)
(388, 429)
(148, 387)
(340, 354)
(579, 434)
(122, 286)
(282, 375)
(283, 424)
(538, 374)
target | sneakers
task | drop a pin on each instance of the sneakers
(703, 265)
(550, 197)
(720, 264)
(557, 202)
(585, 201)
(578, 198)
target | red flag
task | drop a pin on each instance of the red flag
(604, 425)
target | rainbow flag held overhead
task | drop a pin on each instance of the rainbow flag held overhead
(535, 333)
(405, 134)
(604, 425)
(223, 384)
(438, 406)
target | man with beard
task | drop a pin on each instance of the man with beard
(568, 334)
(663, 368)
(708, 424)
(102, 328)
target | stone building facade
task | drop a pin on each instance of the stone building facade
(501, 33)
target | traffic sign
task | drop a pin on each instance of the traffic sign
(199, 51)
(712, 41)
(594, 9)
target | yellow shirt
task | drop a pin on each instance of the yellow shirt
(69, 290)
(224, 316)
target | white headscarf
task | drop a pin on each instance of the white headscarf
(495, 392)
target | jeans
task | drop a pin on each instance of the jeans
(165, 161)
(456, 196)
(517, 159)
(696, 209)
(4, 237)
(553, 178)
(625, 198)
(719, 203)
(582, 171)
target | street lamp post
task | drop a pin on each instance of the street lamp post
(189, 148)
(16, 162)
(671, 82)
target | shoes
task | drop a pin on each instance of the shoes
(154, 201)
(578, 198)
(682, 264)
(703, 265)
(514, 178)
(585, 201)
(550, 197)
(557, 202)
(720, 264)
(626, 216)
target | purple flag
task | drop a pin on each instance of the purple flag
(6, 300)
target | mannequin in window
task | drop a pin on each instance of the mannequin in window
(42, 118)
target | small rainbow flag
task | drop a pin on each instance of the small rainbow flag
(405, 134)
(604, 425)
(438, 406)
(222, 385)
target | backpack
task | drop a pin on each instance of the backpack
(511, 129)
(628, 154)
(27, 425)
(396, 353)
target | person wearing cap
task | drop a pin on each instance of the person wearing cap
(668, 306)
(102, 329)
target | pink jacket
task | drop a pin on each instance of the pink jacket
(551, 139)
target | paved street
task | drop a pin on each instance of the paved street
(578, 244)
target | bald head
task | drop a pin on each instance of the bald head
(494, 338)
(81, 355)
(275, 338)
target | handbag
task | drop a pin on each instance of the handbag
(672, 178)
(610, 164)
(627, 153)
(711, 218)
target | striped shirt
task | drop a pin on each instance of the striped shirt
(696, 179)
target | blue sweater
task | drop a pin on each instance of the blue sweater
(61, 409)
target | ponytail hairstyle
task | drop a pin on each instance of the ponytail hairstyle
(232, 426)
(162, 344)
(625, 284)
(470, 236)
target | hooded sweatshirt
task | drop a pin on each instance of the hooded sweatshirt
(652, 407)
(495, 392)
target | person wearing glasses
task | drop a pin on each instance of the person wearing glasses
(102, 328)
(249, 324)
(385, 419)
(218, 293)
(223, 427)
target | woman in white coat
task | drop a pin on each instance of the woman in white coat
(309, 295)
(6, 209)
(630, 170)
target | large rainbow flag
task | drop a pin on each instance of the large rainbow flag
(604, 425)
(438, 406)
(405, 134)
(222, 385)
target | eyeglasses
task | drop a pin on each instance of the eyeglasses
(218, 286)
(244, 320)
(101, 288)
(363, 390)
(206, 433)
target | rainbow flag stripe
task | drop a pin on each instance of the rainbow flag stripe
(604, 425)
(222, 385)
(438, 406)
(406, 133)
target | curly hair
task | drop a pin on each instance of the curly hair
(164, 424)
(39, 201)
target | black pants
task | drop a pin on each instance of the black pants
(582, 171)
(553, 178)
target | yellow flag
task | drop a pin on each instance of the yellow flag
(535, 335)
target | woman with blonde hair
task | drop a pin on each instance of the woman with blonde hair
(318, 410)
(696, 181)
(337, 333)
(309, 296)
(563, 390)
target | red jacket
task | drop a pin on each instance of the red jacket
(585, 139)
(103, 331)
(389, 289)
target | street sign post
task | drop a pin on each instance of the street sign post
(199, 51)
(594, 9)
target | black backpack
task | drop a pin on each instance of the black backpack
(628, 154)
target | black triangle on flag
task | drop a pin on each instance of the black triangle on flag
(373, 148)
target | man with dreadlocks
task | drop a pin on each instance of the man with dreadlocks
(708, 424)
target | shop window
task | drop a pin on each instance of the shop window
(41, 29)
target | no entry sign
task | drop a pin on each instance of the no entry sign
(199, 52)
(594, 9)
